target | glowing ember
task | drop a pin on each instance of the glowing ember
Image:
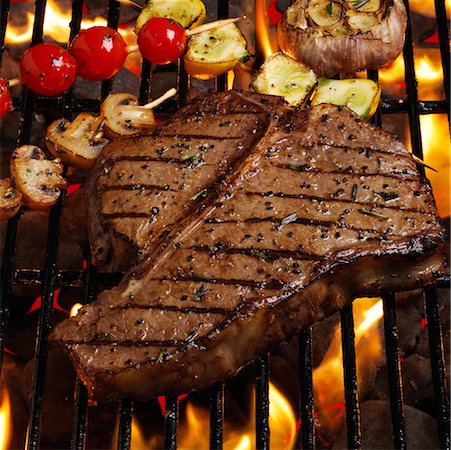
(5, 421)
(75, 308)
(328, 377)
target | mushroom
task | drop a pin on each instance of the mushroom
(125, 117)
(10, 199)
(77, 143)
(38, 179)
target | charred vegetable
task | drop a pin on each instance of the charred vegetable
(188, 13)
(10, 199)
(343, 36)
(359, 94)
(214, 52)
(282, 75)
(39, 180)
(77, 143)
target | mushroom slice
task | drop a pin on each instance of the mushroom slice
(282, 75)
(359, 94)
(214, 52)
(124, 116)
(188, 13)
(77, 143)
(39, 180)
(10, 199)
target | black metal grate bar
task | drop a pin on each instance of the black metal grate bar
(307, 430)
(216, 416)
(438, 366)
(124, 435)
(170, 423)
(262, 402)
(443, 35)
(4, 13)
(350, 379)
(394, 372)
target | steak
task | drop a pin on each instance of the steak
(300, 212)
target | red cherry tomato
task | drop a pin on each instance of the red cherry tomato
(48, 69)
(5, 98)
(100, 53)
(162, 40)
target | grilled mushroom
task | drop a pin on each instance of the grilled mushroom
(188, 13)
(282, 75)
(77, 143)
(343, 36)
(39, 180)
(10, 199)
(214, 52)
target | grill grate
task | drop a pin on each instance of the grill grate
(50, 277)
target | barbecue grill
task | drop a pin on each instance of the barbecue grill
(50, 277)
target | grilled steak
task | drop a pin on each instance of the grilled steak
(317, 208)
(142, 186)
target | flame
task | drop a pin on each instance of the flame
(328, 377)
(5, 422)
(57, 27)
(265, 39)
(282, 422)
(74, 309)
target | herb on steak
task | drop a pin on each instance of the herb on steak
(161, 355)
(200, 277)
(264, 256)
(202, 193)
(354, 192)
(191, 336)
(299, 167)
(329, 8)
(387, 196)
(367, 212)
(193, 160)
(291, 218)
(200, 293)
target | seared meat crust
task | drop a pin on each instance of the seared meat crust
(317, 209)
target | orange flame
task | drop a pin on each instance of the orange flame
(74, 309)
(266, 39)
(5, 422)
(328, 377)
(282, 422)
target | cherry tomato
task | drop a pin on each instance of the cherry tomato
(48, 69)
(5, 98)
(100, 53)
(162, 40)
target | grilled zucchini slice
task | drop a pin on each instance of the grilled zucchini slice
(188, 13)
(359, 94)
(282, 75)
(214, 52)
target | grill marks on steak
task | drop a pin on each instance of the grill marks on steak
(270, 250)
(143, 186)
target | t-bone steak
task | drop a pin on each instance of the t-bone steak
(266, 220)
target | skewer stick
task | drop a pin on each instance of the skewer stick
(161, 99)
(13, 82)
(212, 25)
(132, 48)
(132, 4)
(420, 162)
